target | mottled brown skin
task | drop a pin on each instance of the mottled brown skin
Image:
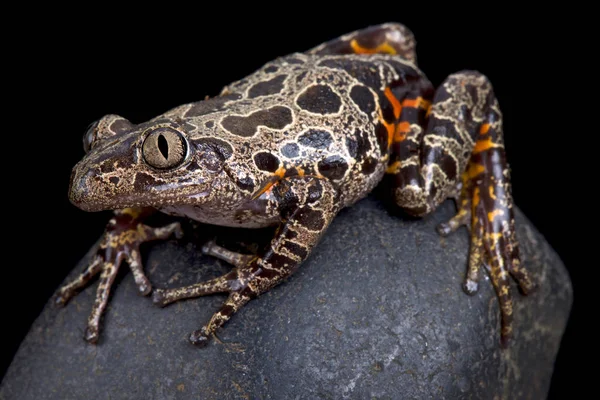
(292, 144)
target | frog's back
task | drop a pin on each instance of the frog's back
(308, 115)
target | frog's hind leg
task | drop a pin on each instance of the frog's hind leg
(390, 38)
(310, 205)
(461, 143)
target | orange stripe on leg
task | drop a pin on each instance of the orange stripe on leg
(397, 107)
(419, 102)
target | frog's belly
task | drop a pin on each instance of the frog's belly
(241, 219)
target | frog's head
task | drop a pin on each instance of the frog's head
(153, 164)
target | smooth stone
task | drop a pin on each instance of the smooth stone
(376, 312)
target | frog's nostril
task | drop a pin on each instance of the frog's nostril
(82, 187)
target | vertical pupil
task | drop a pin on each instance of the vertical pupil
(163, 146)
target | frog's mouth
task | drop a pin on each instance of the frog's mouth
(93, 190)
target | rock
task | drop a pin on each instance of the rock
(377, 311)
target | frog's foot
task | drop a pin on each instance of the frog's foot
(238, 283)
(486, 205)
(120, 242)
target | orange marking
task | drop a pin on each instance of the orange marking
(493, 214)
(419, 102)
(402, 129)
(484, 129)
(383, 48)
(300, 171)
(492, 195)
(280, 172)
(390, 127)
(132, 212)
(277, 175)
(474, 170)
(483, 145)
(397, 107)
(393, 168)
(475, 198)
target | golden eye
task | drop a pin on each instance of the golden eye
(164, 148)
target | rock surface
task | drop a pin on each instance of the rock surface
(376, 312)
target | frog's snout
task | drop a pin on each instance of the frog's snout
(83, 189)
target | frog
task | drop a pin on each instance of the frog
(291, 145)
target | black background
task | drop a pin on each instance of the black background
(71, 70)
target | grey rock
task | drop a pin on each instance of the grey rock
(377, 312)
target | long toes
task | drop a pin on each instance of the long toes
(199, 338)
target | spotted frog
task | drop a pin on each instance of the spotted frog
(291, 145)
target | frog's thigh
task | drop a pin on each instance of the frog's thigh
(391, 38)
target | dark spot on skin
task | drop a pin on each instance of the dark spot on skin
(314, 193)
(333, 167)
(301, 76)
(209, 124)
(277, 117)
(114, 180)
(312, 219)
(448, 165)
(369, 165)
(362, 144)
(107, 167)
(382, 137)
(316, 139)
(291, 172)
(319, 99)
(290, 234)
(245, 183)
(143, 181)
(266, 161)
(265, 88)
(387, 110)
(363, 98)
(211, 105)
(363, 71)
(271, 69)
(352, 147)
(290, 150)
(221, 147)
(296, 249)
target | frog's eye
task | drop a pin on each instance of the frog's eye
(89, 136)
(164, 148)
(107, 126)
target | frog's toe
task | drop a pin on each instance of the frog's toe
(91, 335)
(470, 286)
(159, 298)
(199, 338)
(462, 218)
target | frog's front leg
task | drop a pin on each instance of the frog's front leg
(120, 242)
(462, 146)
(307, 205)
